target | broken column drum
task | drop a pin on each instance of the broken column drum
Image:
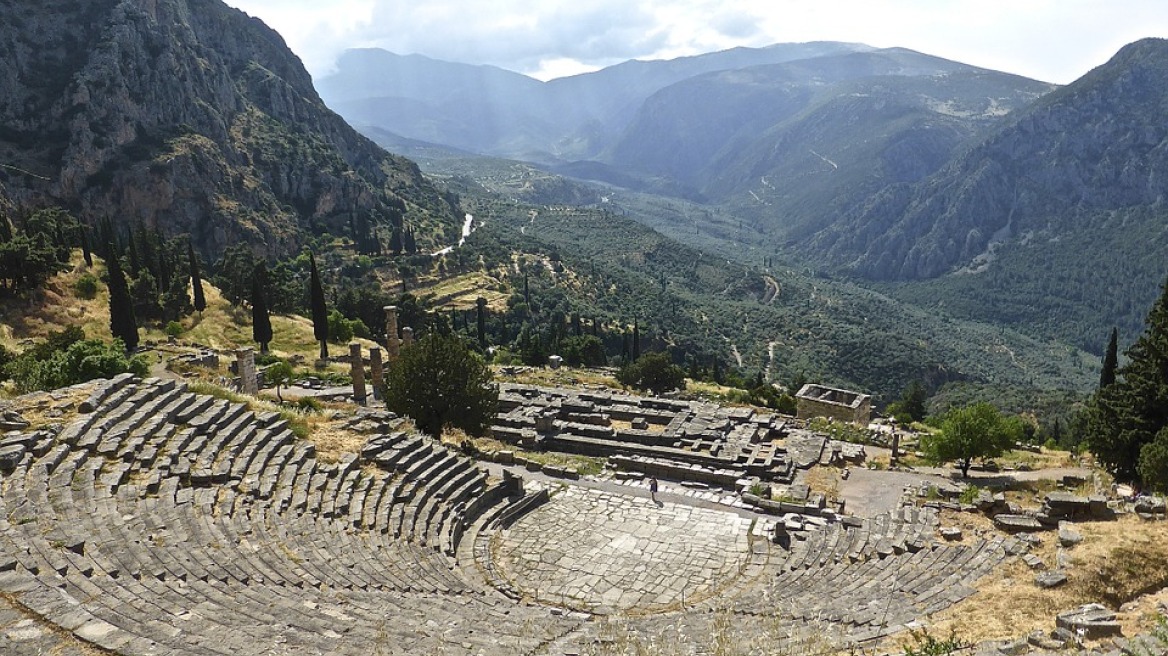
(375, 371)
(358, 373)
(245, 365)
(391, 340)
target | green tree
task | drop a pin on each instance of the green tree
(654, 372)
(913, 400)
(1153, 463)
(1110, 360)
(123, 324)
(636, 341)
(279, 374)
(438, 381)
(973, 431)
(196, 279)
(340, 329)
(583, 350)
(1124, 421)
(261, 322)
(320, 315)
(234, 272)
(910, 406)
(481, 321)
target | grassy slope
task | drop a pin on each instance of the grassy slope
(221, 326)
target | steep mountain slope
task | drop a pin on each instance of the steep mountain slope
(192, 116)
(1054, 220)
(1097, 145)
(491, 111)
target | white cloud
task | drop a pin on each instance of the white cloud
(1055, 40)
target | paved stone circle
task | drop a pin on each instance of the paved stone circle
(596, 551)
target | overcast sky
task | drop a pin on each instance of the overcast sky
(1050, 40)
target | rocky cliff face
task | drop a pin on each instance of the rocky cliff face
(193, 116)
(1098, 145)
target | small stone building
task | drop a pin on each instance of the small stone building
(842, 405)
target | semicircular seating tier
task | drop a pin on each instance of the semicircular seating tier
(161, 521)
(170, 522)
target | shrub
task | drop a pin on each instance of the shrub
(654, 372)
(309, 404)
(173, 329)
(86, 286)
(78, 362)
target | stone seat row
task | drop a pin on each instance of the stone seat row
(877, 593)
(907, 529)
(168, 522)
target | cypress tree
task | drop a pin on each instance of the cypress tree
(123, 325)
(261, 323)
(1110, 361)
(481, 320)
(86, 252)
(319, 308)
(196, 279)
(395, 241)
(636, 341)
(135, 265)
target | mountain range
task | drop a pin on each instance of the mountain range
(936, 181)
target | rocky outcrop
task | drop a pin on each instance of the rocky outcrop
(192, 116)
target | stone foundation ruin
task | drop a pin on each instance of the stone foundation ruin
(841, 405)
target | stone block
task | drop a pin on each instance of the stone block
(1051, 579)
(951, 533)
(1065, 504)
(1018, 523)
(1092, 622)
(1068, 536)
(1151, 506)
(10, 456)
(1033, 562)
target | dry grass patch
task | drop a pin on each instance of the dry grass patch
(1045, 459)
(56, 305)
(824, 480)
(332, 441)
(35, 408)
(562, 377)
(1117, 563)
(490, 445)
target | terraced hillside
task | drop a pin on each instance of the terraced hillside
(142, 518)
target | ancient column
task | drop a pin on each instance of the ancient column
(375, 371)
(357, 366)
(407, 336)
(895, 444)
(245, 365)
(391, 343)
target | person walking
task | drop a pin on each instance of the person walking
(653, 488)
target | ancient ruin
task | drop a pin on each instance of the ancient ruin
(841, 405)
(152, 520)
